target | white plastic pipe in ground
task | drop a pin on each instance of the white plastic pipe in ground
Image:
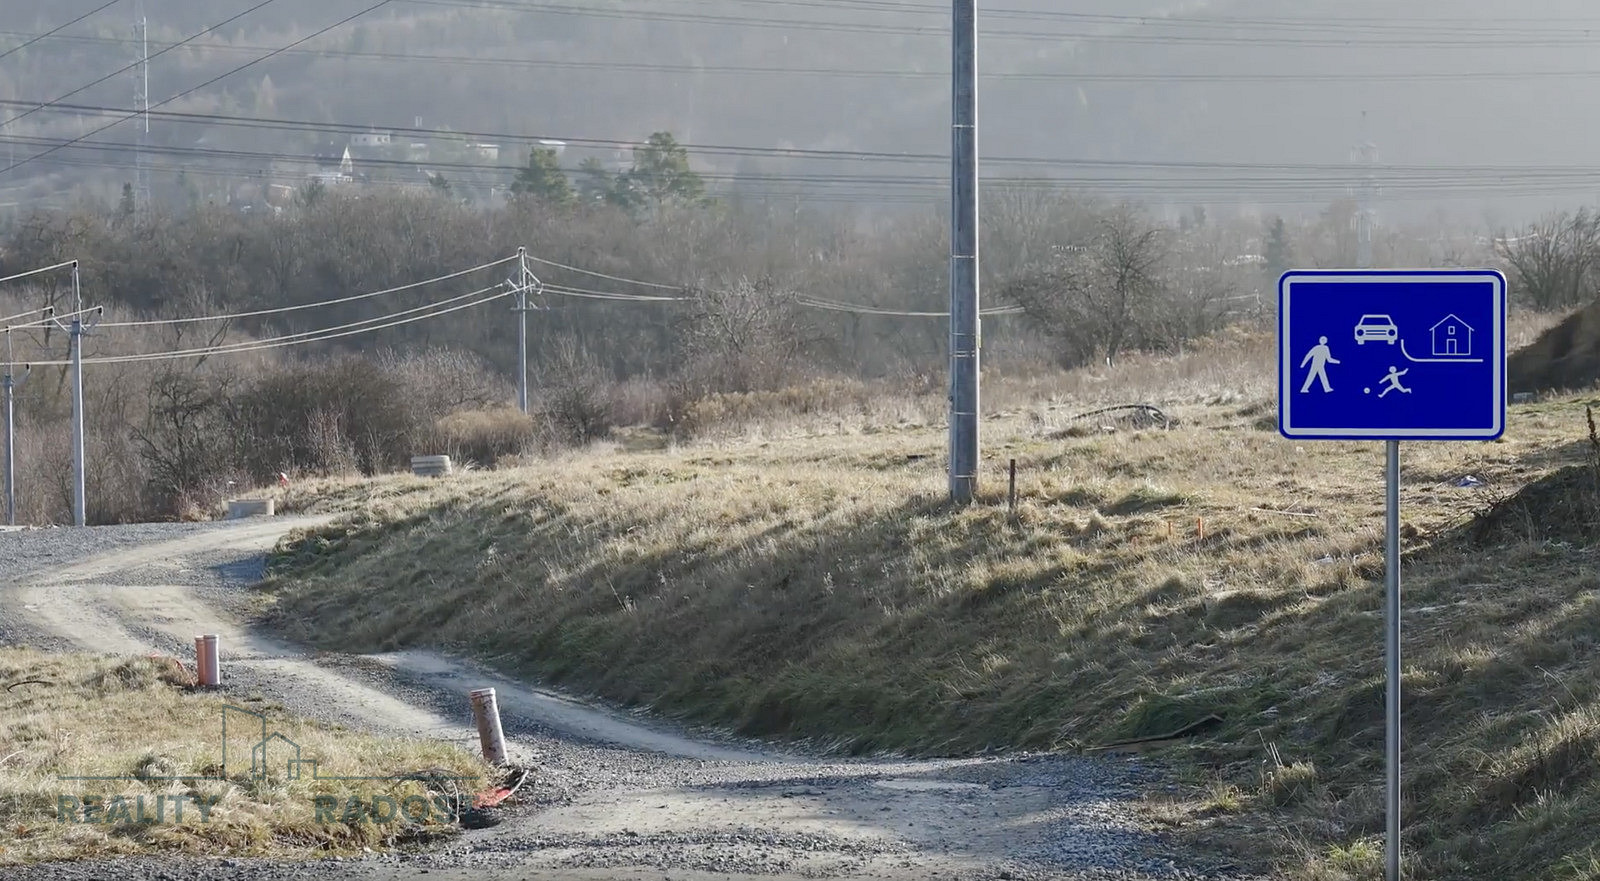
(486, 713)
(206, 661)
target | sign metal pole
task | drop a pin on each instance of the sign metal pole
(1392, 355)
(1391, 654)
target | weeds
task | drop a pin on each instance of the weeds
(71, 724)
(818, 588)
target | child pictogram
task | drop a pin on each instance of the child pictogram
(1392, 382)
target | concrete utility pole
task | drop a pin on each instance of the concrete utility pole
(75, 333)
(79, 499)
(11, 383)
(525, 282)
(965, 332)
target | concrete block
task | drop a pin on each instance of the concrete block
(431, 466)
(241, 508)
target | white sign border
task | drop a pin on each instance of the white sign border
(1392, 276)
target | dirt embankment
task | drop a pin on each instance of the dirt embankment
(1566, 356)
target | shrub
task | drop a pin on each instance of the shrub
(485, 437)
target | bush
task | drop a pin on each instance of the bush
(484, 437)
(577, 396)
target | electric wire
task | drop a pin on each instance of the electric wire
(1085, 77)
(53, 320)
(1339, 173)
(745, 70)
(56, 30)
(157, 322)
(370, 325)
(122, 70)
(1241, 177)
(587, 294)
(5, 322)
(306, 39)
(647, 284)
(40, 271)
(1374, 39)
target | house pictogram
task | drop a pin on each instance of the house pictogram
(1452, 338)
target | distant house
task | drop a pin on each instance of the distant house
(486, 152)
(333, 164)
(371, 139)
(1452, 338)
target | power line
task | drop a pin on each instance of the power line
(859, 73)
(1331, 171)
(647, 284)
(54, 319)
(860, 189)
(284, 309)
(33, 272)
(212, 81)
(126, 68)
(926, 189)
(1486, 40)
(53, 31)
(1247, 172)
(5, 322)
(370, 325)
(587, 294)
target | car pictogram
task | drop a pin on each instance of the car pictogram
(1378, 328)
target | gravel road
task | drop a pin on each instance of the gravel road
(615, 795)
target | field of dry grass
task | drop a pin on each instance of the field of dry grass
(148, 750)
(812, 584)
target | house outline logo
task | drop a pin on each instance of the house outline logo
(1452, 344)
(260, 766)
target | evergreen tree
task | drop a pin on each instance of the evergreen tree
(595, 184)
(1279, 254)
(543, 178)
(661, 173)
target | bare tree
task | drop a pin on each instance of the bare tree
(745, 337)
(1554, 261)
(1101, 296)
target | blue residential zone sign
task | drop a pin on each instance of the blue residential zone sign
(1392, 355)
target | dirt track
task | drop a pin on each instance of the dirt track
(615, 796)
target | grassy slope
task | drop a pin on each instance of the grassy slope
(818, 588)
(102, 716)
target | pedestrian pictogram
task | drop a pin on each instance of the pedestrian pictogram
(1319, 358)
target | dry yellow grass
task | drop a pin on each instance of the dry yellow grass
(818, 587)
(78, 716)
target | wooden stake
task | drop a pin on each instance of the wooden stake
(1013, 493)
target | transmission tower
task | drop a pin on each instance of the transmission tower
(141, 102)
(1365, 156)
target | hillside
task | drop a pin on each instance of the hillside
(812, 584)
(1166, 82)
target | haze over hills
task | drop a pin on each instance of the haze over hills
(1254, 85)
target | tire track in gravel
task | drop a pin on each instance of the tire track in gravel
(614, 795)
